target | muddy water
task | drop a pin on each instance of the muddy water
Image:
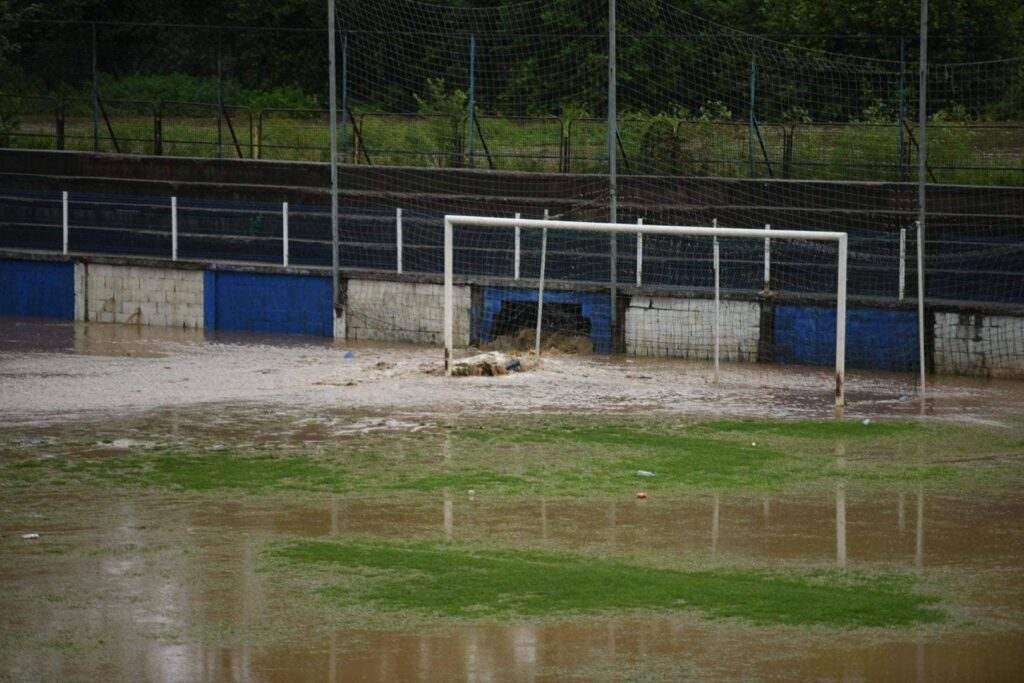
(50, 370)
(174, 587)
(162, 587)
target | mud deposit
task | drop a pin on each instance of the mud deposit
(142, 573)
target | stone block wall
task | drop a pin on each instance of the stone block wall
(978, 344)
(685, 328)
(140, 295)
(404, 311)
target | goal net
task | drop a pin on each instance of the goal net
(707, 292)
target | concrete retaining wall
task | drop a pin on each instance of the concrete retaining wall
(685, 328)
(140, 295)
(977, 344)
(403, 311)
(299, 301)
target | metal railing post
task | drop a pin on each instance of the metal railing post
(398, 239)
(64, 222)
(903, 262)
(284, 234)
(516, 257)
(639, 254)
(174, 228)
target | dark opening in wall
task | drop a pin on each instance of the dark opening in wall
(565, 319)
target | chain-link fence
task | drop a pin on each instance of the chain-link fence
(437, 87)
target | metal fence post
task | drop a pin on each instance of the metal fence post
(343, 141)
(613, 170)
(95, 96)
(900, 171)
(174, 228)
(398, 238)
(767, 261)
(471, 105)
(751, 121)
(220, 102)
(60, 125)
(540, 289)
(284, 234)
(64, 221)
(158, 130)
(922, 199)
(715, 267)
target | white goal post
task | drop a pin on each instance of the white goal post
(450, 221)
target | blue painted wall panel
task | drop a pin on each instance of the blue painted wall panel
(262, 302)
(37, 289)
(594, 306)
(875, 339)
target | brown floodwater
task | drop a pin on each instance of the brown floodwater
(172, 588)
(51, 370)
(130, 585)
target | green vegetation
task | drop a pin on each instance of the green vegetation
(580, 457)
(435, 136)
(445, 581)
(179, 87)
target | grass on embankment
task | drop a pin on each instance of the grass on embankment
(577, 457)
(445, 581)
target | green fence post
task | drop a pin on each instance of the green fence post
(901, 173)
(752, 121)
(95, 96)
(471, 104)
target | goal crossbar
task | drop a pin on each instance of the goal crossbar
(840, 238)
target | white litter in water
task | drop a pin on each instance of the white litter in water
(644, 473)
(29, 537)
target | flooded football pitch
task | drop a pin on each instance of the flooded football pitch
(243, 509)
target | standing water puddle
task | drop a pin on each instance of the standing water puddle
(159, 587)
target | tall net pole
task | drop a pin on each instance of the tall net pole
(613, 200)
(333, 95)
(922, 170)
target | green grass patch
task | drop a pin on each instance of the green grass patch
(576, 456)
(446, 581)
(814, 429)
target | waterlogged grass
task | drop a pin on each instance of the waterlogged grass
(227, 471)
(448, 581)
(580, 457)
(607, 457)
(815, 429)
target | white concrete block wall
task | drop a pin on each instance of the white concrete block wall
(971, 344)
(670, 326)
(404, 311)
(140, 296)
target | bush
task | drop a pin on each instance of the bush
(446, 111)
(185, 88)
